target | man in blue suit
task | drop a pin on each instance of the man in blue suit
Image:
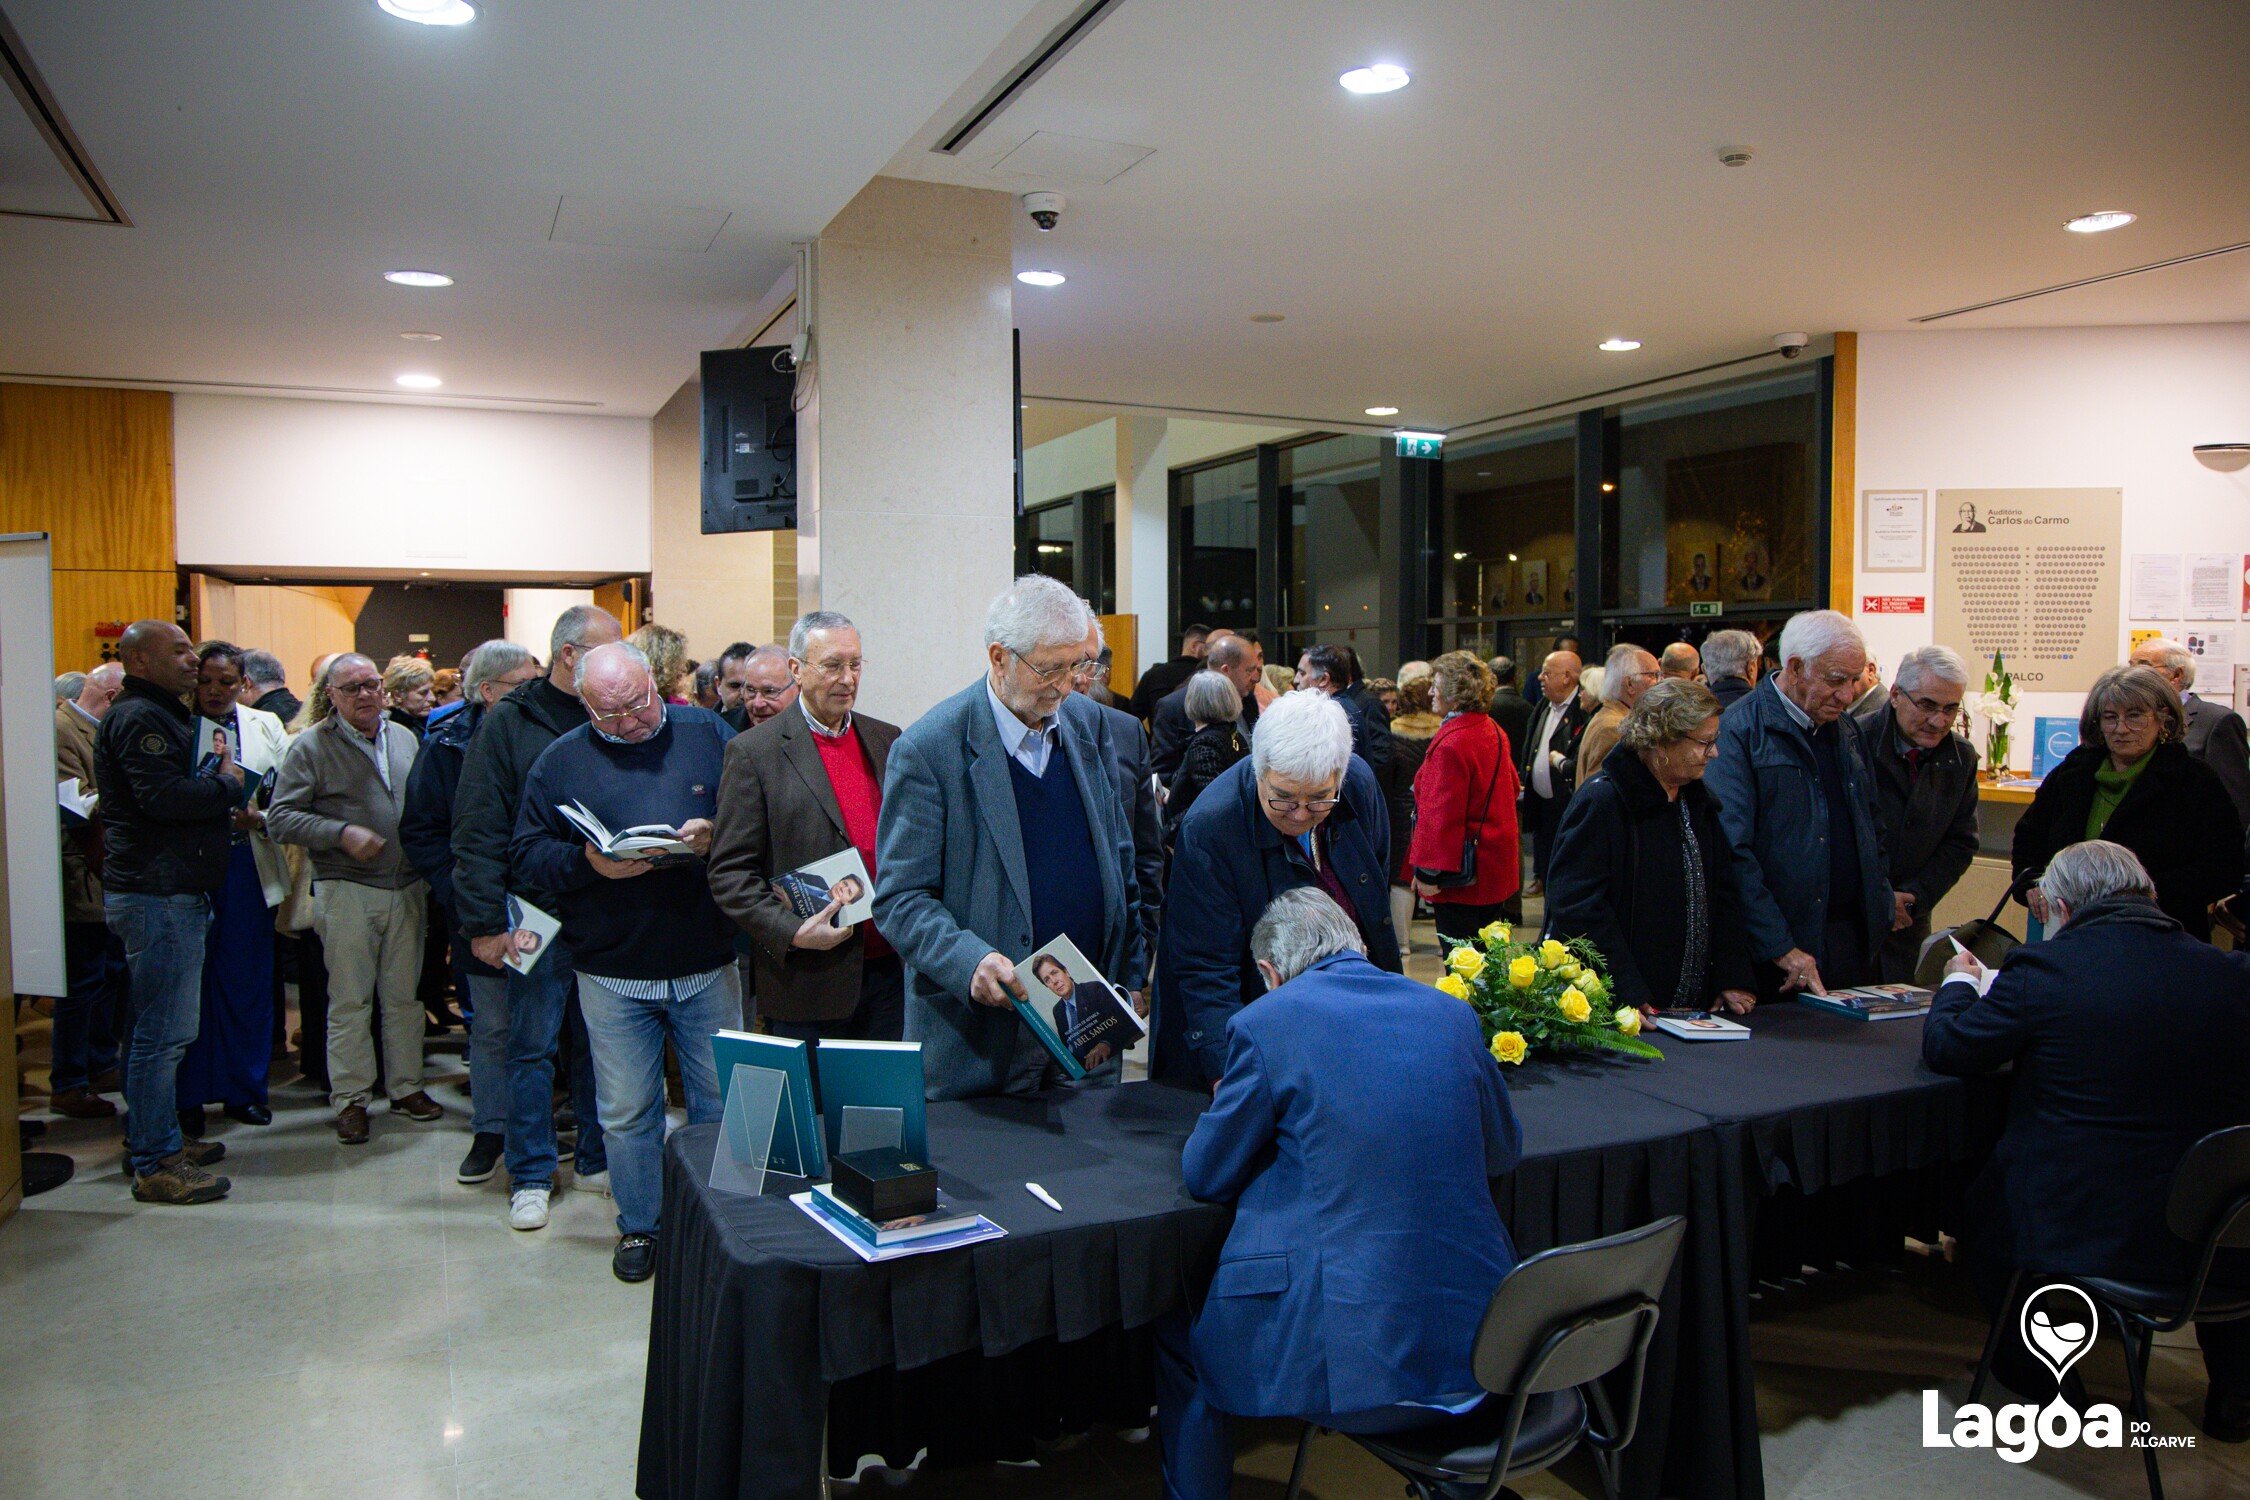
(1003, 827)
(1356, 1131)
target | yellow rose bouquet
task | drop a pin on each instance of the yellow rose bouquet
(1541, 994)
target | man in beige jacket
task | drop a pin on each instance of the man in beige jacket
(339, 794)
(1628, 673)
(85, 1049)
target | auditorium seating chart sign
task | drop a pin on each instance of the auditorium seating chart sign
(2032, 573)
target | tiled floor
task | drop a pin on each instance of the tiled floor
(353, 1323)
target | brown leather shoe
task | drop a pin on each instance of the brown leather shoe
(82, 1104)
(106, 1082)
(351, 1125)
(178, 1180)
(418, 1106)
(203, 1153)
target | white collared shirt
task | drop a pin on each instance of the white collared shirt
(1028, 746)
(822, 729)
(74, 708)
(377, 748)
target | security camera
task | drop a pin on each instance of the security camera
(1045, 209)
(1791, 344)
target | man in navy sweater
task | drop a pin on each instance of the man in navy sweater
(654, 955)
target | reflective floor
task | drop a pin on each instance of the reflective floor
(353, 1323)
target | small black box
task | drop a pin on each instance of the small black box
(884, 1184)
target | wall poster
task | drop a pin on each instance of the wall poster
(2035, 578)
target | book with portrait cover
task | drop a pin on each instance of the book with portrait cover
(810, 888)
(1092, 1021)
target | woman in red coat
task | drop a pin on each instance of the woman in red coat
(1466, 787)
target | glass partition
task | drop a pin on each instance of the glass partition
(1217, 510)
(1331, 581)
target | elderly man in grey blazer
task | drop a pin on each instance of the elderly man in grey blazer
(1003, 827)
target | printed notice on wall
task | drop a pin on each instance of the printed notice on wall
(1896, 535)
(2210, 586)
(2034, 574)
(2156, 586)
(2213, 651)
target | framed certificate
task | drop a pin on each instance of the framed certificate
(1894, 533)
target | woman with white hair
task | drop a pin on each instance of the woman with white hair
(1301, 810)
(1214, 709)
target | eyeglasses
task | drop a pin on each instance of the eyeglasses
(1077, 669)
(1945, 711)
(623, 714)
(764, 694)
(2131, 718)
(354, 689)
(1288, 805)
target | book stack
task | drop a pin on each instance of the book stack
(945, 1228)
(1872, 1002)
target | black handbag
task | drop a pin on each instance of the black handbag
(1453, 880)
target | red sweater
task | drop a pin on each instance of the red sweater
(1468, 758)
(860, 797)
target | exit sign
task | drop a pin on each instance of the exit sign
(1420, 444)
(1705, 609)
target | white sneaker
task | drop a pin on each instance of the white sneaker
(592, 1182)
(527, 1208)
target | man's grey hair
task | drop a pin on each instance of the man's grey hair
(264, 668)
(2084, 873)
(800, 634)
(490, 662)
(1679, 660)
(1592, 682)
(1211, 699)
(1503, 671)
(1228, 651)
(69, 685)
(1301, 927)
(1930, 664)
(1036, 611)
(1817, 633)
(706, 679)
(632, 652)
(767, 653)
(1621, 666)
(2176, 658)
(1305, 737)
(575, 624)
(109, 674)
(1729, 653)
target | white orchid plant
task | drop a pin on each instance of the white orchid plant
(1996, 705)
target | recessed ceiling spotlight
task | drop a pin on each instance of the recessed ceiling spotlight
(431, 12)
(1618, 346)
(1041, 278)
(416, 336)
(2099, 220)
(417, 278)
(1460, 557)
(420, 382)
(1382, 411)
(1378, 78)
(1265, 317)
(1608, 486)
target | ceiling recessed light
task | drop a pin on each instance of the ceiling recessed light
(431, 12)
(417, 278)
(416, 336)
(1382, 411)
(2099, 220)
(1460, 557)
(420, 382)
(1618, 346)
(1265, 317)
(1378, 78)
(1607, 486)
(1041, 278)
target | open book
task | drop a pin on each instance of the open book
(80, 804)
(643, 841)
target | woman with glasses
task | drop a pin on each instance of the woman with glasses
(2132, 782)
(1301, 810)
(1644, 872)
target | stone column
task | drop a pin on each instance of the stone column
(1144, 520)
(906, 493)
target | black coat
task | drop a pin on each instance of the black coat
(1565, 776)
(2176, 817)
(514, 732)
(2215, 736)
(1371, 727)
(1209, 753)
(164, 827)
(1160, 680)
(1511, 710)
(1929, 823)
(2131, 1041)
(282, 704)
(1231, 861)
(425, 825)
(1617, 881)
(1408, 750)
(1168, 731)
(1125, 748)
(1728, 689)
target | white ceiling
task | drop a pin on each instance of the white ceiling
(1550, 179)
(1455, 249)
(276, 156)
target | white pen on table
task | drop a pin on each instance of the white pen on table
(1043, 1196)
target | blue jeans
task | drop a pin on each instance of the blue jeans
(85, 1034)
(163, 938)
(628, 1037)
(538, 1004)
(488, 1052)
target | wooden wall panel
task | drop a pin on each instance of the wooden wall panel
(1843, 508)
(94, 469)
(85, 597)
(295, 622)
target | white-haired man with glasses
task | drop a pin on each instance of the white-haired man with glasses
(1002, 828)
(1302, 810)
(1925, 781)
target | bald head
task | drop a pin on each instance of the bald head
(619, 690)
(1558, 676)
(101, 688)
(1680, 660)
(158, 652)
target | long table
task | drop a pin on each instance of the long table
(767, 1334)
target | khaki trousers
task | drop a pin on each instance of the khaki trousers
(372, 938)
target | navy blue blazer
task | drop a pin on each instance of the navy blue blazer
(1356, 1131)
(1229, 863)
